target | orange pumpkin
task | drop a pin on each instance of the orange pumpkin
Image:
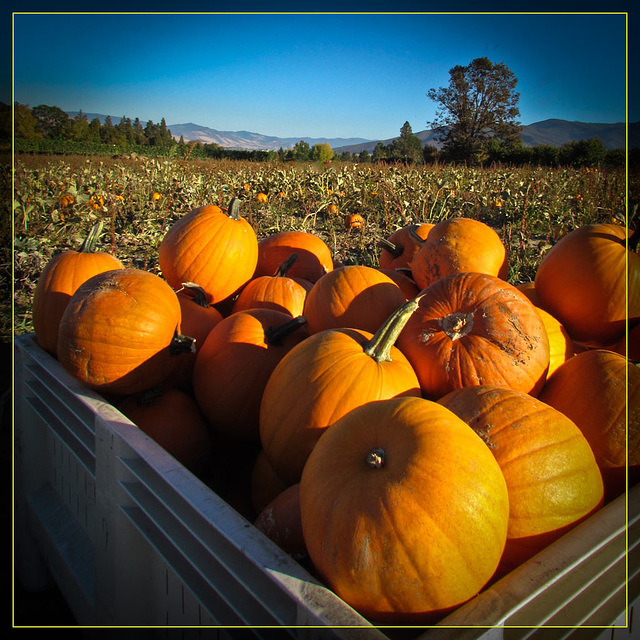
(60, 278)
(120, 332)
(404, 510)
(198, 318)
(459, 245)
(397, 250)
(234, 364)
(561, 347)
(404, 281)
(584, 279)
(474, 328)
(629, 344)
(216, 249)
(353, 221)
(172, 418)
(599, 390)
(551, 473)
(280, 521)
(279, 291)
(314, 256)
(324, 377)
(354, 296)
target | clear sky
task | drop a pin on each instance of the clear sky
(315, 75)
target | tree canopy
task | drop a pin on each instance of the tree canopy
(480, 105)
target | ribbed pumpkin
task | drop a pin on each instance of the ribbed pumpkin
(278, 291)
(398, 249)
(599, 390)
(404, 510)
(471, 329)
(584, 279)
(561, 347)
(172, 418)
(218, 250)
(198, 318)
(234, 364)
(551, 473)
(120, 331)
(459, 245)
(323, 378)
(60, 278)
(314, 256)
(354, 296)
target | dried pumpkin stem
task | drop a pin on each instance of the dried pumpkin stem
(376, 458)
(286, 265)
(379, 347)
(233, 210)
(91, 240)
(413, 234)
(275, 335)
(394, 249)
(199, 295)
(182, 344)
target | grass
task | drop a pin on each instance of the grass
(57, 199)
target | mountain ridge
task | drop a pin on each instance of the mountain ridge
(552, 131)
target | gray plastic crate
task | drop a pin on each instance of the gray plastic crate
(132, 538)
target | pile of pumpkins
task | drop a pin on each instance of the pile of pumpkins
(414, 431)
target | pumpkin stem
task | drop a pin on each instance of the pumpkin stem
(148, 397)
(275, 335)
(456, 325)
(89, 243)
(379, 347)
(413, 234)
(234, 209)
(376, 459)
(394, 249)
(199, 295)
(286, 265)
(182, 344)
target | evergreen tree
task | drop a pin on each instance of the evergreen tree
(407, 147)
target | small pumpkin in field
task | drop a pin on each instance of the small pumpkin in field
(398, 249)
(404, 510)
(216, 249)
(353, 221)
(354, 296)
(590, 281)
(120, 332)
(561, 347)
(60, 278)
(599, 390)
(472, 329)
(551, 472)
(172, 418)
(278, 291)
(234, 364)
(324, 377)
(314, 256)
(459, 245)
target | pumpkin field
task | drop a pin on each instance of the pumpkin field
(411, 378)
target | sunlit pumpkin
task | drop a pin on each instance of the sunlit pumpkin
(404, 510)
(472, 329)
(398, 249)
(551, 472)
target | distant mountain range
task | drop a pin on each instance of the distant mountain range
(552, 132)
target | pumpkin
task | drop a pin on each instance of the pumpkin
(120, 332)
(314, 256)
(561, 346)
(353, 221)
(398, 249)
(216, 249)
(198, 318)
(629, 344)
(278, 291)
(459, 245)
(324, 377)
(404, 510)
(474, 328)
(599, 390)
(280, 521)
(172, 418)
(354, 296)
(584, 279)
(551, 473)
(234, 364)
(60, 278)
(404, 281)
(265, 485)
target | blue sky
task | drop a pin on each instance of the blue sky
(315, 75)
